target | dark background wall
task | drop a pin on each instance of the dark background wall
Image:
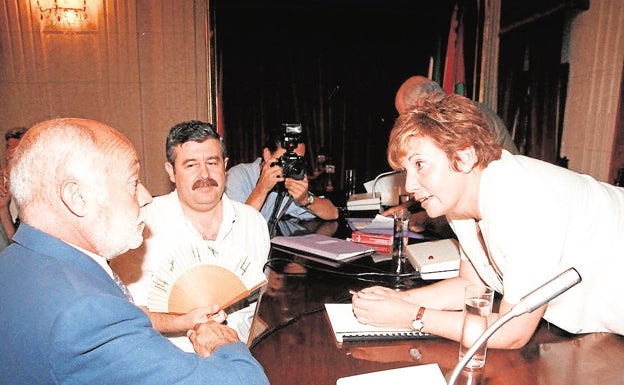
(333, 66)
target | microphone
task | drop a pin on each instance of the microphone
(381, 176)
(535, 299)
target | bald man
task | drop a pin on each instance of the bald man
(65, 319)
(417, 87)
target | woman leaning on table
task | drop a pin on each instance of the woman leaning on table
(520, 222)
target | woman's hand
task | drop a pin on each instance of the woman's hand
(384, 307)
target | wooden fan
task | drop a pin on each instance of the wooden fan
(196, 276)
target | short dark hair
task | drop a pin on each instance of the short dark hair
(15, 133)
(273, 140)
(192, 130)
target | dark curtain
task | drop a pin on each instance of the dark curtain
(532, 79)
(333, 66)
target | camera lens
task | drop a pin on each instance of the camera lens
(293, 165)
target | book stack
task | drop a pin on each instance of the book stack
(364, 202)
(382, 243)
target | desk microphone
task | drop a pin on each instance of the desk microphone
(383, 174)
(527, 304)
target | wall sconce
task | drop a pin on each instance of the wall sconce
(65, 13)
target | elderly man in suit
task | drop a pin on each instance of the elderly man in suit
(65, 319)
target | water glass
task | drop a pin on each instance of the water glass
(477, 310)
(350, 183)
(400, 239)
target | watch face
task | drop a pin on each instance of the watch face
(417, 325)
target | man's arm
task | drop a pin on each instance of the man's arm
(321, 207)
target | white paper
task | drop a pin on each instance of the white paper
(429, 374)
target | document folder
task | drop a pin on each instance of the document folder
(330, 249)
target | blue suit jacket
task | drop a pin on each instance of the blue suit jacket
(63, 320)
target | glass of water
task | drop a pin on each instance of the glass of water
(477, 310)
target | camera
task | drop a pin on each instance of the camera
(293, 165)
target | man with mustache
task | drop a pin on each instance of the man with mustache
(196, 215)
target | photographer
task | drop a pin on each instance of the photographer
(262, 183)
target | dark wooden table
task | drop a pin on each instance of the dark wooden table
(298, 347)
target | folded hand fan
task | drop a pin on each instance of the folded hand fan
(196, 275)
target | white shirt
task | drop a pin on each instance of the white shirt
(243, 232)
(538, 220)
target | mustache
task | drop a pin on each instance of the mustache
(205, 182)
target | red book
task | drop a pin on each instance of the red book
(381, 249)
(372, 239)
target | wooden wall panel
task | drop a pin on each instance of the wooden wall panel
(596, 57)
(140, 66)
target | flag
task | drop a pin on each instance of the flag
(454, 73)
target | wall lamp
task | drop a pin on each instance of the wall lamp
(64, 12)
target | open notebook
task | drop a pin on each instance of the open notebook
(347, 328)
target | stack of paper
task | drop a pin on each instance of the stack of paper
(429, 374)
(364, 202)
(378, 225)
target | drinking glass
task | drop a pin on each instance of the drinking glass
(350, 182)
(400, 238)
(477, 310)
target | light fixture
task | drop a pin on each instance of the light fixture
(63, 12)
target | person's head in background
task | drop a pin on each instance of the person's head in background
(273, 145)
(78, 180)
(12, 138)
(196, 163)
(413, 90)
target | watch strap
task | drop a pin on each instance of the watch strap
(310, 200)
(417, 323)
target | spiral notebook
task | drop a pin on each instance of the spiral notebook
(347, 328)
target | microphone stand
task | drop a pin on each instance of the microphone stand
(527, 304)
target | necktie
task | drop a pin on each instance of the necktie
(123, 287)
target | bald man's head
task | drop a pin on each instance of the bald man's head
(413, 90)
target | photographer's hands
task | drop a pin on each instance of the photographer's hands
(298, 189)
(269, 177)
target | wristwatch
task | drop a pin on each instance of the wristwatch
(310, 200)
(417, 323)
